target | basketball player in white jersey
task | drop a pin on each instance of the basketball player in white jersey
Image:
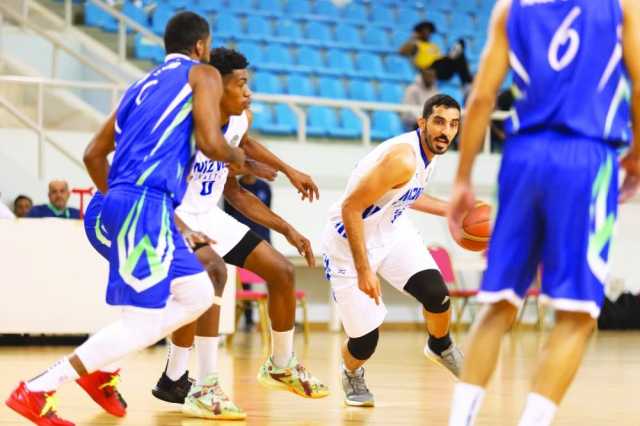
(368, 233)
(239, 246)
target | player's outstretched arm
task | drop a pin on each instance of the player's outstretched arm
(254, 209)
(392, 171)
(432, 205)
(206, 84)
(95, 154)
(631, 53)
(301, 181)
(493, 68)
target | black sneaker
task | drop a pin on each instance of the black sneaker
(170, 391)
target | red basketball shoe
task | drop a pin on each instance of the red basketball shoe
(102, 387)
(39, 407)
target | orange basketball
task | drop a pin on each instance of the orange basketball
(476, 228)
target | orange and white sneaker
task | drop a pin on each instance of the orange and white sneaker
(294, 378)
(102, 387)
(39, 407)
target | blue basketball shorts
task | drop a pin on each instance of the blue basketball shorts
(94, 228)
(135, 229)
(557, 208)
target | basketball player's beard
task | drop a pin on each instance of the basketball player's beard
(430, 145)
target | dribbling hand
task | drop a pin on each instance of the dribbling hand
(369, 284)
(462, 200)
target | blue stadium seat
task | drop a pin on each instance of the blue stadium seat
(370, 65)
(398, 38)
(383, 15)
(466, 6)
(284, 123)
(210, 6)
(348, 36)
(96, 17)
(241, 6)
(452, 89)
(258, 28)
(341, 62)
(136, 13)
(288, 31)
(331, 88)
(265, 82)
(461, 25)
(227, 25)
(385, 124)
(299, 85)
(320, 120)
(160, 17)
(398, 68)
(375, 38)
(409, 16)
(253, 51)
(349, 126)
(390, 92)
(146, 50)
(298, 7)
(355, 12)
(318, 33)
(218, 41)
(277, 57)
(262, 115)
(438, 39)
(439, 19)
(310, 61)
(361, 90)
(326, 8)
(179, 4)
(270, 7)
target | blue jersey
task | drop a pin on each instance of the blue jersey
(566, 58)
(154, 128)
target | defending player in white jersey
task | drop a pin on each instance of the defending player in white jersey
(239, 246)
(368, 233)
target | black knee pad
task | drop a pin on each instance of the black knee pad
(364, 346)
(430, 290)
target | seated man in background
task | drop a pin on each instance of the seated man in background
(58, 199)
(416, 94)
(426, 54)
(22, 205)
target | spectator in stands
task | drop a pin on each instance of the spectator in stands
(503, 103)
(426, 54)
(262, 190)
(58, 199)
(5, 212)
(22, 205)
(416, 94)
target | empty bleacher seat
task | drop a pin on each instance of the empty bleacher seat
(288, 31)
(310, 60)
(262, 115)
(253, 51)
(438, 18)
(270, 7)
(258, 28)
(320, 120)
(241, 5)
(348, 127)
(298, 7)
(408, 17)
(227, 25)
(265, 82)
(348, 36)
(179, 4)
(147, 50)
(355, 12)
(361, 90)
(318, 33)
(284, 121)
(277, 57)
(96, 17)
(383, 15)
(398, 38)
(210, 6)
(160, 17)
(390, 92)
(385, 124)
(299, 85)
(330, 87)
(369, 65)
(375, 38)
(136, 13)
(326, 8)
(462, 25)
(398, 68)
(341, 62)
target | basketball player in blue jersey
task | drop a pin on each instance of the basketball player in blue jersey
(576, 66)
(153, 275)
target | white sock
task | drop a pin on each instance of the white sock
(59, 373)
(538, 411)
(207, 350)
(177, 361)
(466, 403)
(281, 347)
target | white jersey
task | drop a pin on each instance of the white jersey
(381, 217)
(208, 177)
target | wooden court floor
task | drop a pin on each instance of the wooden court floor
(409, 389)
